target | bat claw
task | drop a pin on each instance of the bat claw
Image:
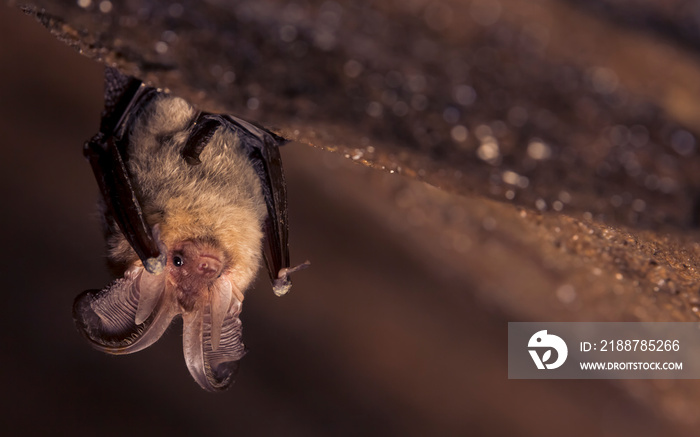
(283, 284)
(156, 265)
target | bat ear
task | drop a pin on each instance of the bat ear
(212, 337)
(128, 315)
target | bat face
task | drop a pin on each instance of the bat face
(194, 267)
(193, 202)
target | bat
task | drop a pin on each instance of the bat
(192, 203)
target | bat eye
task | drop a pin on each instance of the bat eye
(177, 261)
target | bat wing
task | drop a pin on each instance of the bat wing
(128, 315)
(125, 97)
(264, 154)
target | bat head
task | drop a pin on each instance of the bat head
(193, 267)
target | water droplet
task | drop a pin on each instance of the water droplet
(176, 10)
(510, 177)
(417, 83)
(451, 115)
(375, 109)
(483, 132)
(161, 47)
(566, 293)
(325, 39)
(352, 68)
(105, 7)
(459, 133)
(228, 77)
(683, 142)
(253, 103)
(489, 223)
(639, 205)
(169, 36)
(464, 95)
(489, 151)
(537, 149)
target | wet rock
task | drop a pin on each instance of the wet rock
(542, 105)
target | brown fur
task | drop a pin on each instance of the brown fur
(219, 201)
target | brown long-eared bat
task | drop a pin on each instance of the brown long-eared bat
(192, 203)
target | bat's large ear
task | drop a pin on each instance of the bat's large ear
(128, 315)
(212, 337)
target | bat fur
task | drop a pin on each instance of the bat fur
(219, 201)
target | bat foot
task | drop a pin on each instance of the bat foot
(156, 265)
(283, 284)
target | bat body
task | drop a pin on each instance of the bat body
(214, 209)
(193, 203)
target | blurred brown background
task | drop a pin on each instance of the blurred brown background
(391, 332)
